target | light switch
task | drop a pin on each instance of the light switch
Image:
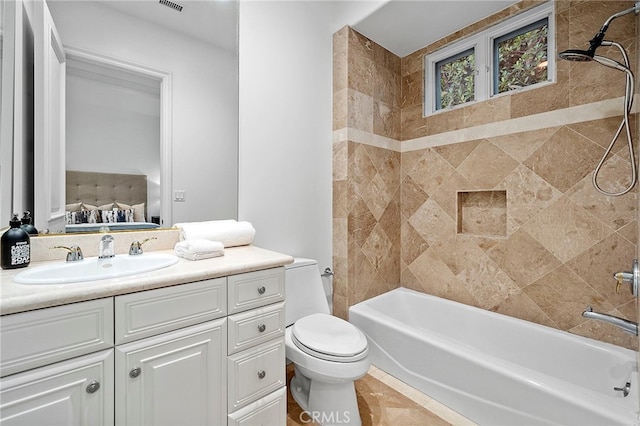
(179, 195)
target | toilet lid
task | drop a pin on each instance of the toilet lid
(333, 336)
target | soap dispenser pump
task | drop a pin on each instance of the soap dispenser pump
(16, 247)
(27, 224)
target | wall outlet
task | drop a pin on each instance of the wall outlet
(179, 195)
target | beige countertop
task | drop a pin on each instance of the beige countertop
(24, 297)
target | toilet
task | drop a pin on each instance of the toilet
(328, 353)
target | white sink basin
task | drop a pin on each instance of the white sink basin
(92, 269)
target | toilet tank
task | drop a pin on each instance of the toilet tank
(304, 292)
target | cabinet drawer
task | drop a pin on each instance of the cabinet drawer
(152, 312)
(250, 328)
(254, 289)
(270, 410)
(36, 338)
(255, 373)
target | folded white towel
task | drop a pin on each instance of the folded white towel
(200, 256)
(199, 249)
(230, 233)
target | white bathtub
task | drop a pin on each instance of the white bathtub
(495, 369)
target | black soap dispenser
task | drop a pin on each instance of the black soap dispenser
(15, 246)
(27, 224)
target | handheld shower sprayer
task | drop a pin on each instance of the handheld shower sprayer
(589, 55)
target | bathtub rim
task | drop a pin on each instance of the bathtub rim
(521, 322)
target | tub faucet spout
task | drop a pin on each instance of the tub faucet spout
(626, 325)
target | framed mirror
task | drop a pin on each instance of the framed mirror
(192, 55)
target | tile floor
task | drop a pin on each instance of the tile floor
(384, 400)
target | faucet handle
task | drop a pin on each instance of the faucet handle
(626, 277)
(622, 278)
(74, 253)
(136, 246)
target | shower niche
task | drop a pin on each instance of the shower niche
(482, 213)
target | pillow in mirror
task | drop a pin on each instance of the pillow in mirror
(138, 210)
(86, 206)
(74, 207)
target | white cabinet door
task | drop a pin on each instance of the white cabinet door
(177, 378)
(74, 392)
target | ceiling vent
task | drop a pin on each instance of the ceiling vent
(173, 5)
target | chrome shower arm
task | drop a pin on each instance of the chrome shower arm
(597, 40)
(635, 9)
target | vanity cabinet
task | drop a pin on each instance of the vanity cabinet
(74, 392)
(176, 378)
(170, 355)
(57, 365)
(209, 352)
(256, 351)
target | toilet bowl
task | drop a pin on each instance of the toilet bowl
(328, 353)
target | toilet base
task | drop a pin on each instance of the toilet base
(329, 404)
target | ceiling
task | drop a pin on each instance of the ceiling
(401, 26)
(212, 21)
(404, 26)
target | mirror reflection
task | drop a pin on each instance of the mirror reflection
(151, 114)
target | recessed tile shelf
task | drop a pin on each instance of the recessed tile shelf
(482, 213)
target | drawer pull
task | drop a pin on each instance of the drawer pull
(262, 374)
(262, 289)
(135, 372)
(93, 387)
(261, 328)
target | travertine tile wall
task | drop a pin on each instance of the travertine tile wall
(508, 223)
(366, 179)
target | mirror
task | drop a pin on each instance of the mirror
(192, 112)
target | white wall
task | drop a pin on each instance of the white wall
(285, 137)
(132, 146)
(286, 125)
(205, 104)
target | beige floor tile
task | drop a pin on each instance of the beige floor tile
(384, 400)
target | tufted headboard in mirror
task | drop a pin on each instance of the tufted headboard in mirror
(112, 201)
(104, 188)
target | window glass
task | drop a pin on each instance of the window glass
(456, 80)
(520, 57)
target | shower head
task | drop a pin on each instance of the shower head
(576, 55)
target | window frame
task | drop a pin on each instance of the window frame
(483, 45)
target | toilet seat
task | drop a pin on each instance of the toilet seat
(330, 338)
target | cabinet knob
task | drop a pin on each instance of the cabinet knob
(135, 372)
(261, 289)
(261, 328)
(93, 387)
(261, 374)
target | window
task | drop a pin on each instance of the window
(456, 79)
(513, 55)
(520, 57)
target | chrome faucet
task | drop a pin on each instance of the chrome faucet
(74, 253)
(626, 325)
(106, 247)
(136, 246)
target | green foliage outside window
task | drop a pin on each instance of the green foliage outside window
(457, 80)
(522, 58)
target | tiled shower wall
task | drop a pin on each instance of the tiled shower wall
(508, 220)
